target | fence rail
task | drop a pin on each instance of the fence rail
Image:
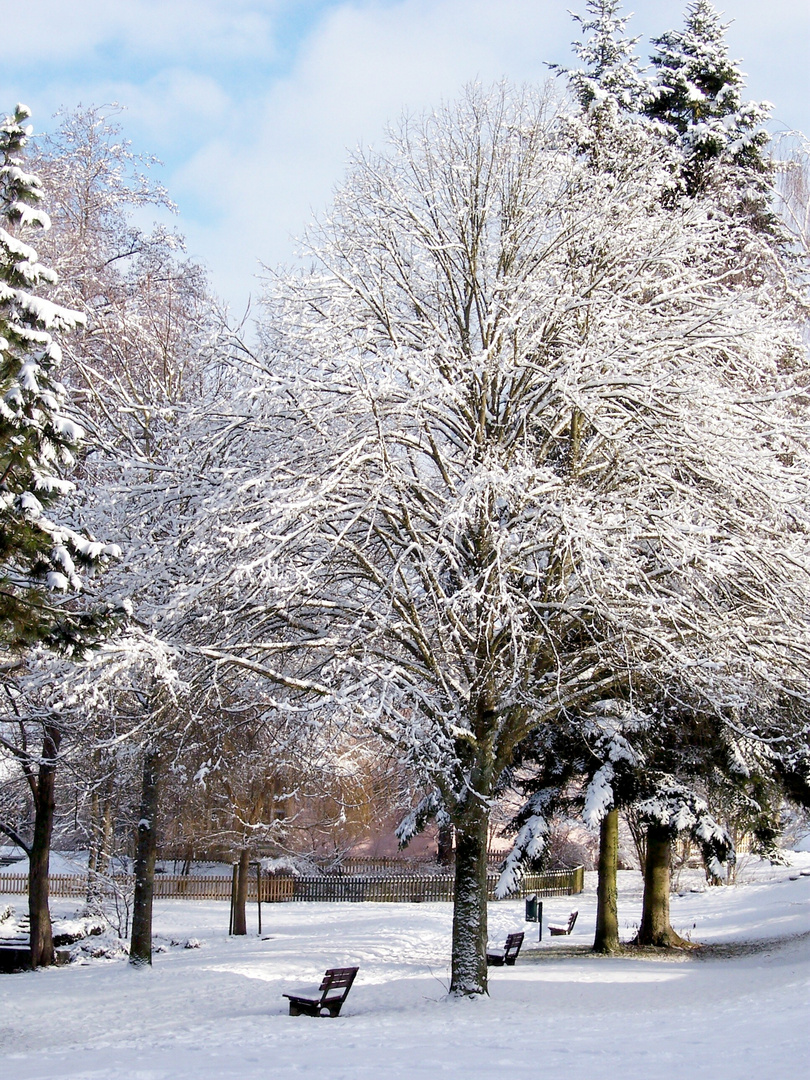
(378, 888)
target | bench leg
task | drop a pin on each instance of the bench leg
(301, 1008)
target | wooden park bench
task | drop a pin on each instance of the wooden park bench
(559, 931)
(508, 954)
(328, 998)
(15, 955)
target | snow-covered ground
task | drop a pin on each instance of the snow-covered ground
(735, 1010)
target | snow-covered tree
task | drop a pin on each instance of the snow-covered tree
(610, 71)
(697, 97)
(673, 809)
(154, 389)
(717, 145)
(585, 765)
(619, 756)
(518, 419)
(140, 374)
(792, 190)
(31, 734)
(40, 559)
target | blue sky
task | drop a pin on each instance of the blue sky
(252, 104)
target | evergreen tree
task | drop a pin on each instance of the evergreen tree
(697, 97)
(39, 559)
(610, 70)
(618, 756)
(608, 125)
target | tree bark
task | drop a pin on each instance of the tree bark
(101, 835)
(42, 953)
(469, 961)
(240, 902)
(140, 950)
(93, 853)
(655, 926)
(607, 909)
(444, 845)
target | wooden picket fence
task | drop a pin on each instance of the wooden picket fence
(378, 888)
(357, 865)
(413, 888)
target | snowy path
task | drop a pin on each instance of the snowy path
(217, 1011)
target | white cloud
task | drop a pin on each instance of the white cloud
(176, 105)
(361, 67)
(251, 152)
(55, 30)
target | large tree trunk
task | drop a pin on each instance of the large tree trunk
(240, 900)
(469, 961)
(39, 914)
(655, 927)
(140, 950)
(607, 909)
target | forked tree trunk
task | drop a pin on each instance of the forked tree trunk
(469, 961)
(140, 950)
(607, 896)
(655, 927)
(39, 915)
(240, 900)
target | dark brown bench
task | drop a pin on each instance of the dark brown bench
(559, 931)
(508, 954)
(15, 955)
(326, 999)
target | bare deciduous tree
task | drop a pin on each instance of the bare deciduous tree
(519, 437)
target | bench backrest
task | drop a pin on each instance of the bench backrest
(572, 918)
(513, 943)
(337, 979)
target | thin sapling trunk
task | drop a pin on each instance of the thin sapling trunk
(42, 952)
(240, 900)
